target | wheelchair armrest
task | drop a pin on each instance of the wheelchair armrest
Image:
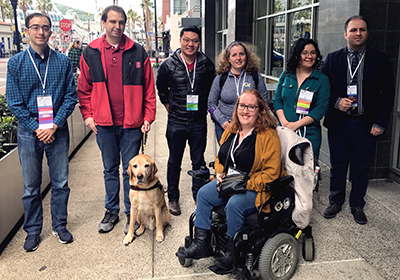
(279, 183)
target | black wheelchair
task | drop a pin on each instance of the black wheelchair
(267, 247)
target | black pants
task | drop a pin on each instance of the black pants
(177, 134)
(350, 144)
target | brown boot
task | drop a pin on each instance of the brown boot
(174, 208)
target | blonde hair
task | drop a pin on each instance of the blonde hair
(74, 45)
(252, 60)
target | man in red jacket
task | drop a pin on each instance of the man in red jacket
(118, 103)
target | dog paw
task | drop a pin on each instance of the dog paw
(160, 238)
(140, 230)
(128, 239)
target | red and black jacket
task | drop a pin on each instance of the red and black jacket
(137, 81)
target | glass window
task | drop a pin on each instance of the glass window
(300, 3)
(278, 6)
(278, 44)
(218, 14)
(261, 8)
(219, 43)
(261, 39)
(300, 25)
(221, 14)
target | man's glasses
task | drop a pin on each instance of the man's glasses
(194, 41)
(36, 27)
(250, 108)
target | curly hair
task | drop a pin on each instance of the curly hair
(265, 118)
(295, 54)
(252, 63)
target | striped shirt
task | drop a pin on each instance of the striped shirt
(24, 86)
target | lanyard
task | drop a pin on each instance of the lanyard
(187, 71)
(355, 71)
(233, 150)
(237, 83)
(37, 71)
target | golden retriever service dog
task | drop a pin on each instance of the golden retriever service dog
(148, 205)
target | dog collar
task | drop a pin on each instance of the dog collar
(157, 185)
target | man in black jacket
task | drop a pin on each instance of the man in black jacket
(183, 82)
(362, 97)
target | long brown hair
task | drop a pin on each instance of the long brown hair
(265, 118)
(252, 63)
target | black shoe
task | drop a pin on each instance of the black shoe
(331, 211)
(64, 236)
(31, 242)
(108, 222)
(359, 215)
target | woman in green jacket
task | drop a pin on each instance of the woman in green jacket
(302, 95)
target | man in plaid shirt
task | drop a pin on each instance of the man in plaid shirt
(40, 80)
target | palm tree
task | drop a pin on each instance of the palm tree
(23, 4)
(5, 7)
(147, 21)
(132, 15)
(44, 6)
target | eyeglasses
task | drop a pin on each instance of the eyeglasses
(36, 27)
(194, 41)
(306, 54)
(250, 108)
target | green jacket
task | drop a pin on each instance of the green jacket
(287, 94)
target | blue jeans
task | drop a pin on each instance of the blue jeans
(177, 134)
(218, 131)
(115, 143)
(31, 151)
(237, 208)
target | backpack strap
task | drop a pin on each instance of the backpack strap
(255, 78)
(222, 79)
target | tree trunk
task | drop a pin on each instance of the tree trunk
(147, 24)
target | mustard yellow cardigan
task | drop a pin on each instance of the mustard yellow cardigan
(267, 165)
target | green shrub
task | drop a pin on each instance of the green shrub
(8, 125)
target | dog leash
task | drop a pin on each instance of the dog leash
(144, 141)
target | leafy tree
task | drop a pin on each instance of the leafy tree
(44, 6)
(23, 4)
(6, 9)
(132, 18)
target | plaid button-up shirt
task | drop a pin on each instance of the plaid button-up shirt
(24, 86)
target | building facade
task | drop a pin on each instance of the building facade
(273, 25)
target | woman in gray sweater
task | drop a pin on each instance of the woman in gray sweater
(237, 70)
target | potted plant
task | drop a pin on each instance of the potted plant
(8, 128)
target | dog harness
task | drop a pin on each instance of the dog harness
(157, 185)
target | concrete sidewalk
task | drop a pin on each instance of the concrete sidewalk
(344, 249)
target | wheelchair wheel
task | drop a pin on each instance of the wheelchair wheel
(185, 262)
(279, 257)
(308, 249)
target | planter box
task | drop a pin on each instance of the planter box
(11, 191)
(12, 186)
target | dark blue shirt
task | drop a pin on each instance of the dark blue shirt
(24, 86)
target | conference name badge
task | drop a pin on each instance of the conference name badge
(45, 110)
(192, 103)
(304, 102)
(352, 95)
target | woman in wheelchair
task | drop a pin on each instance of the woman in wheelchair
(255, 149)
